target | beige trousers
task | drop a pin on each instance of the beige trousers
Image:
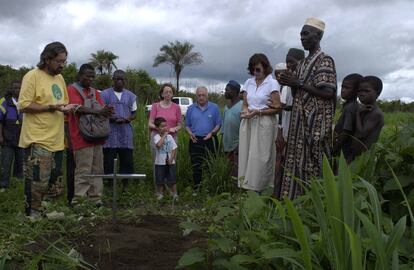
(88, 160)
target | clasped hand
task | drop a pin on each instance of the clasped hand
(287, 78)
(194, 139)
(107, 111)
(249, 114)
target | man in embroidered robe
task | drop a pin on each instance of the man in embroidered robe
(313, 86)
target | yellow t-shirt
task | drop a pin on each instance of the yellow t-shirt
(45, 128)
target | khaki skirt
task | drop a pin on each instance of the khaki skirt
(257, 152)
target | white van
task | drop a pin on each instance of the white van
(183, 102)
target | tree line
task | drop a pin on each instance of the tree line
(176, 54)
(138, 81)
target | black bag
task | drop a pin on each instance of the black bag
(92, 127)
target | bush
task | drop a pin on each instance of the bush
(338, 225)
(389, 166)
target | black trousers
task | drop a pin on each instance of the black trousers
(70, 174)
(126, 161)
(199, 153)
(8, 155)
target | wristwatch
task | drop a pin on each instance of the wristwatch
(301, 84)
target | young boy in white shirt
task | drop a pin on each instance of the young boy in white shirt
(165, 154)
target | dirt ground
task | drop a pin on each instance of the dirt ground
(155, 242)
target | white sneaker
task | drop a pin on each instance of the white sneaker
(159, 196)
(34, 216)
(99, 203)
(175, 197)
(55, 215)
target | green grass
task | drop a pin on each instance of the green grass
(52, 239)
(338, 225)
(19, 237)
(392, 121)
(17, 234)
(398, 117)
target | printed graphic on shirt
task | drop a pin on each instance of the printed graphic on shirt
(163, 153)
(166, 147)
(57, 93)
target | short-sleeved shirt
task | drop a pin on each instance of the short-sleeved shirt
(231, 126)
(286, 96)
(119, 96)
(166, 149)
(258, 96)
(171, 114)
(202, 121)
(121, 135)
(76, 139)
(45, 128)
(11, 120)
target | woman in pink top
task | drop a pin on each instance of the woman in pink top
(167, 109)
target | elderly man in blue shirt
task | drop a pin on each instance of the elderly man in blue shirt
(202, 122)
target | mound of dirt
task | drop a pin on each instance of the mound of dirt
(156, 242)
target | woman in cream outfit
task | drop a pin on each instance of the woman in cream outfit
(258, 127)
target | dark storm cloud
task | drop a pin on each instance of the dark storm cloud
(369, 37)
(23, 11)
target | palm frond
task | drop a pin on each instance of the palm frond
(178, 55)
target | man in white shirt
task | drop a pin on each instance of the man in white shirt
(120, 140)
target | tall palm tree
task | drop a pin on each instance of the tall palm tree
(103, 60)
(110, 61)
(178, 55)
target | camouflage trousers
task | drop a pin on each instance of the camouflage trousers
(43, 176)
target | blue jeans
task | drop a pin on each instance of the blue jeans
(8, 155)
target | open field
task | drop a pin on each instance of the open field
(149, 234)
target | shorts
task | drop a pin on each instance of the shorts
(165, 174)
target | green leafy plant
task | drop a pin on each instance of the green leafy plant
(389, 166)
(339, 224)
(217, 178)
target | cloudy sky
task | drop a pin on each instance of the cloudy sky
(371, 37)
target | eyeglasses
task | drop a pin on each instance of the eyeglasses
(60, 62)
(257, 70)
